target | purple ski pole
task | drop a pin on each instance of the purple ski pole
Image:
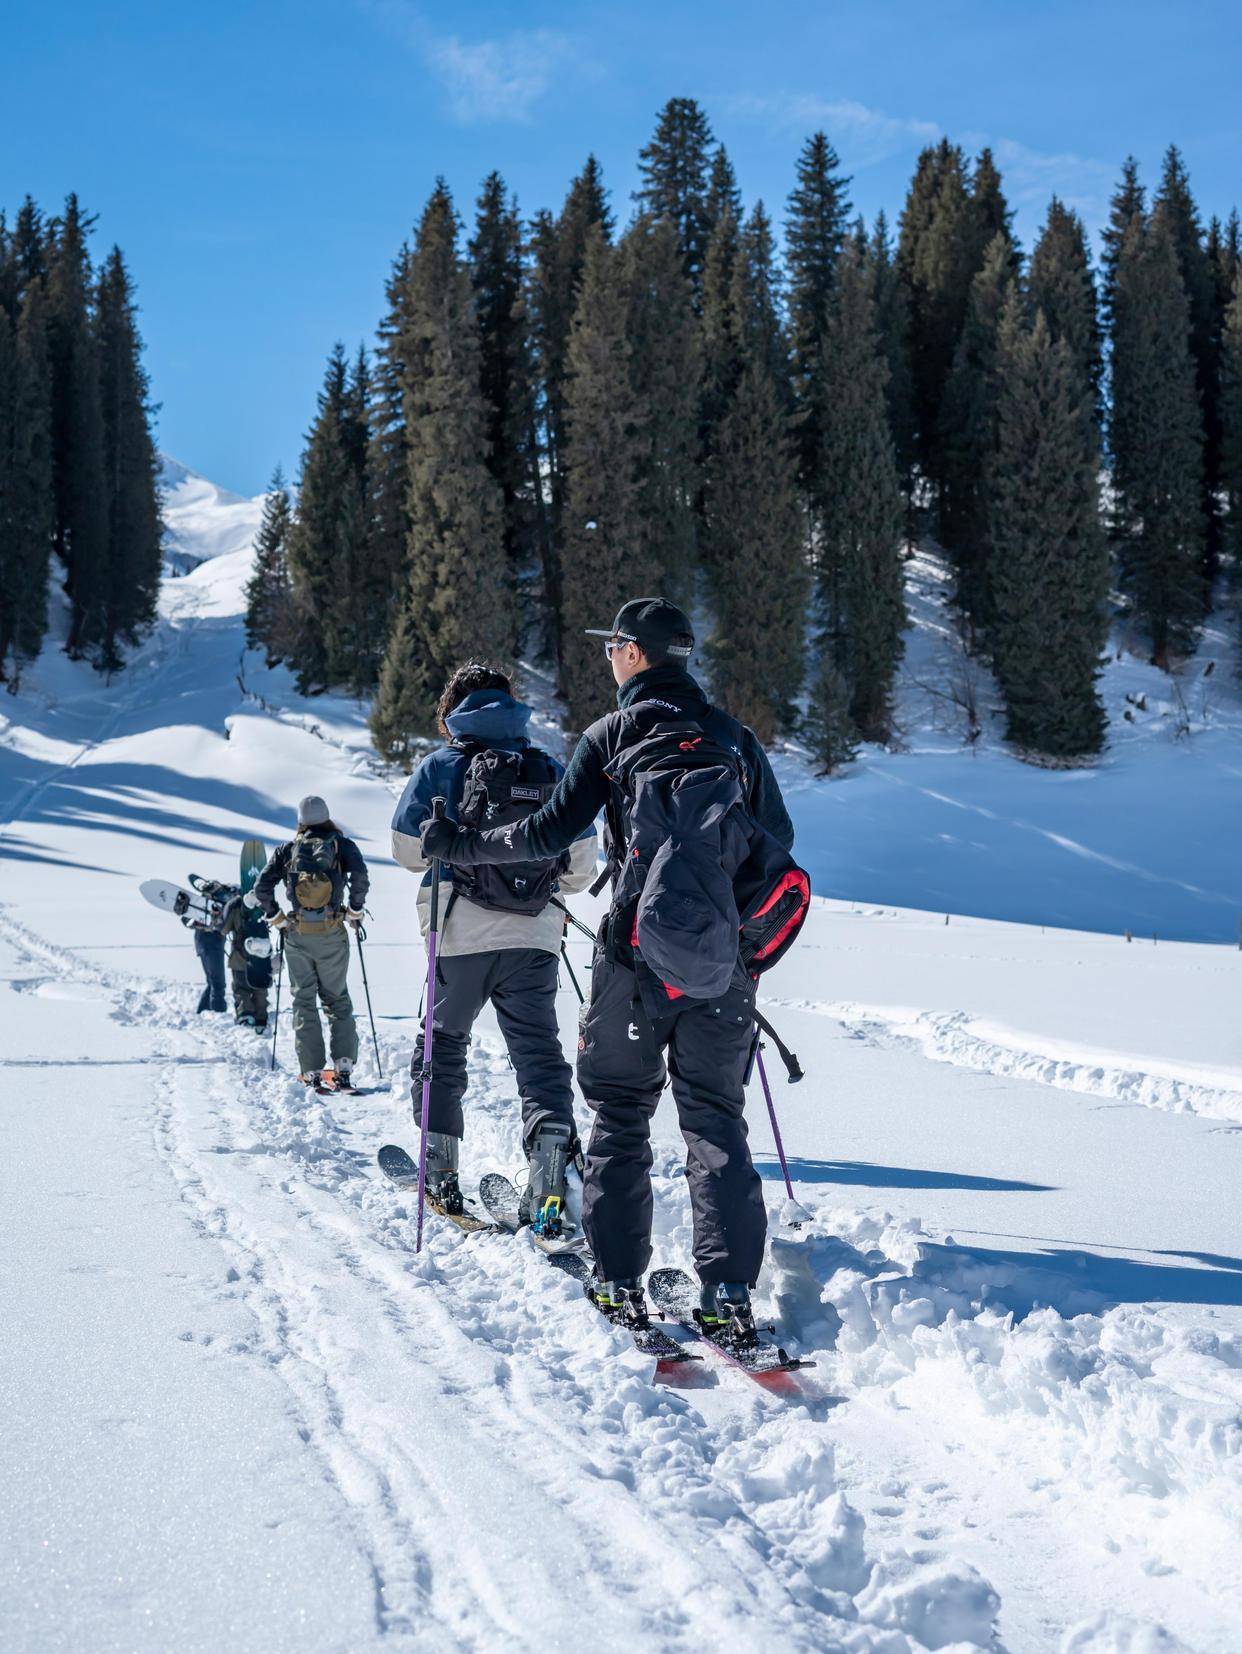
(776, 1130)
(437, 810)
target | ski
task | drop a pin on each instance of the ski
(674, 1294)
(501, 1201)
(650, 1340)
(397, 1166)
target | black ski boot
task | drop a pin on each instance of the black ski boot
(725, 1315)
(543, 1200)
(443, 1189)
(622, 1302)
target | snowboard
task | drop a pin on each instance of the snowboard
(397, 1165)
(258, 965)
(500, 1200)
(188, 905)
(675, 1295)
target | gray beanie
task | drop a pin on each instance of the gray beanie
(312, 811)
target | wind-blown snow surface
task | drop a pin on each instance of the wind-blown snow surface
(241, 1413)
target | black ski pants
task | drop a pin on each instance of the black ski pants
(621, 1072)
(521, 986)
(209, 946)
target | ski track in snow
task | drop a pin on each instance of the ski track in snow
(954, 1037)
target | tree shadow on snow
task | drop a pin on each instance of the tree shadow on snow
(1074, 1282)
(871, 1176)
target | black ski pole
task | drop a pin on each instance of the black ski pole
(572, 977)
(573, 919)
(366, 988)
(280, 971)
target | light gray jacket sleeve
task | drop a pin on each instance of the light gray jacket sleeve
(407, 852)
(583, 859)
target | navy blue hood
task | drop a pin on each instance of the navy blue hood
(491, 718)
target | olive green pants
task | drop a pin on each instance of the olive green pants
(318, 966)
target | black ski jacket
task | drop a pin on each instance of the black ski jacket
(349, 866)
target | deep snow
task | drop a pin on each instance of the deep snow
(242, 1414)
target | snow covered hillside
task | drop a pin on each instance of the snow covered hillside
(202, 520)
(242, 1414)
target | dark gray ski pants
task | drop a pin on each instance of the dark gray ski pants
(621, 1072)
(521, 985)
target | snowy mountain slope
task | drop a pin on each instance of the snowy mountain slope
(202, 520)
(252, 1418)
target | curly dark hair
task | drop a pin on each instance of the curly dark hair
(466, 678)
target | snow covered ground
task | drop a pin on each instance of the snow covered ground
(241, 1413)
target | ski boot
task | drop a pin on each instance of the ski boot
(343, 1070)
(244, 1021)
(443, 1189)
(621, 1301)
(543, 1200)
(725, 1315)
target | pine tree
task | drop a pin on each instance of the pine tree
(753, 519)
(388, 465)
(892, 320)
(720, 349)
(858, 501)
(665, 371)
(1129, 203)
(1156, 439)
(967, 434)
(557, 252)
(1231, 423)
(819, 209)
(506, 384)
(1175, 201)
(723, 192)
(26, 498)
(459, 598)
(828, 727)
(81, 498)
(990, 210)
(400, 709)
(1061, 285)
(269, 593)
(327, 541)
(134, 528)
(675, 167)
(938, 254)
(1050, 568)
(608, 556)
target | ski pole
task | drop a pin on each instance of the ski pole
(572, 977)
(776, 1130)
(280, 971)
(437, 811)
(366, 988)
(573, 919)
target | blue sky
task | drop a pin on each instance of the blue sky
(260, 163)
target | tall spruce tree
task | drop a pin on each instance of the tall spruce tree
(723, 192)
(1050, 569)
(26, 499)
(134, 528)
(892, 320)
(608, 554)
(81, 497)
(556, 254)
(1175, 200)
(459, 599)
(675, 167)
(860, 603)
(665, 372)
(269, 593)
(938, 253)
(1060, 284)
(967, 436)
(815, 228)
(720, 350)
(753, 520)
(1129, 203)
(1231, 426)
(388, 465)
(1156, 440)
(505, 361)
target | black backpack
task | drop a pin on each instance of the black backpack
(500, 788)
(703, 890)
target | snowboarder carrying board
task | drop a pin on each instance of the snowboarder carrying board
(499, 935)
(315, 868)
(698, 839)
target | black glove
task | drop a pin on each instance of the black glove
(443, 840)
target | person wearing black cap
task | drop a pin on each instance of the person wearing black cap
(626, 1030)
(317, 867)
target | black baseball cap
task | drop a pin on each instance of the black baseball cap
(651, 623)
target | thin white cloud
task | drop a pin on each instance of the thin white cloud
(1032, 176)
(862, 135)
(496, 79)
